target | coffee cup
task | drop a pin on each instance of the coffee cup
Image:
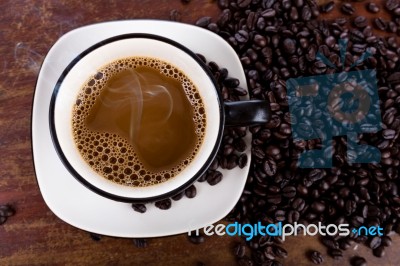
(83, 155)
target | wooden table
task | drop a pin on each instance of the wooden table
(35, 236)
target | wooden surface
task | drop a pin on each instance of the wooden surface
(35, 236)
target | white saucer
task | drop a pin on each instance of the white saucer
(82, 208)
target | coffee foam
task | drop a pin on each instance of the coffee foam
(111, 155)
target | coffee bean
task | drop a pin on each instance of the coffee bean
(243, 3)
(232, 161)
(202, 178)
(140, 242)
(196, 239)
(260, 40)
(245, 261)
(95, 237)
(330, 243)
(270, 167)
(203, 22)
(379, 251)
(298, 204)
(380, 23)
(269, 253)
(163, 204)
(190, 192)
(280, 252)
(289, 45)
(391, 4)
(141, 208)
(360, 22)
(386, 241)
(318, 206)
(336, 254)
(394, 78)
(202, 58)
(389, 134)
(175, 15)
(294, 14)
(306, 13)
(3, 219)
(179, 196)
(214, 178)
(223, 3)
(375, 242)
(298, 3)
(268, 13)
(289, 191)
(242, 161)
(240, 250)
(239, 145)
(344, 243)
(274, 198)
(280, 215)
(316, 174)
(242, 36)
(239, 91)
(358, 261)
(316, 257)
(372, 7)
(6, 210)
(293, 216)
(231, 82)
(392, 27)
(224, 18)
(347, 9)
(328, 7)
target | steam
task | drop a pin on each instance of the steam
(137, 93)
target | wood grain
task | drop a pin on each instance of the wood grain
(35, 236)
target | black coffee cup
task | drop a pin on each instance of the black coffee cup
(219, 113)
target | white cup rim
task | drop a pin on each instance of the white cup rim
(116, 196)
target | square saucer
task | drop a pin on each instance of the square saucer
(84, 209)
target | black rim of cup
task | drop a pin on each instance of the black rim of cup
(89, 185)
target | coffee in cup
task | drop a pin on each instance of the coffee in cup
(139, 121)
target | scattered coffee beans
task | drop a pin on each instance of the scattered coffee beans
(163, 204)
(379, 251)
(336, 254)
(240, 250)
(358, 261)
(373, 8)
(95, 237)
(140, 242)
(196, 239)
(347, 9)
(6, 211)
(139, 207)
(316, 257)
(190, 192)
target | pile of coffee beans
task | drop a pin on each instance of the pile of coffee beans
(277, 40)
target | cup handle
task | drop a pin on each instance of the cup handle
(246, 113)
